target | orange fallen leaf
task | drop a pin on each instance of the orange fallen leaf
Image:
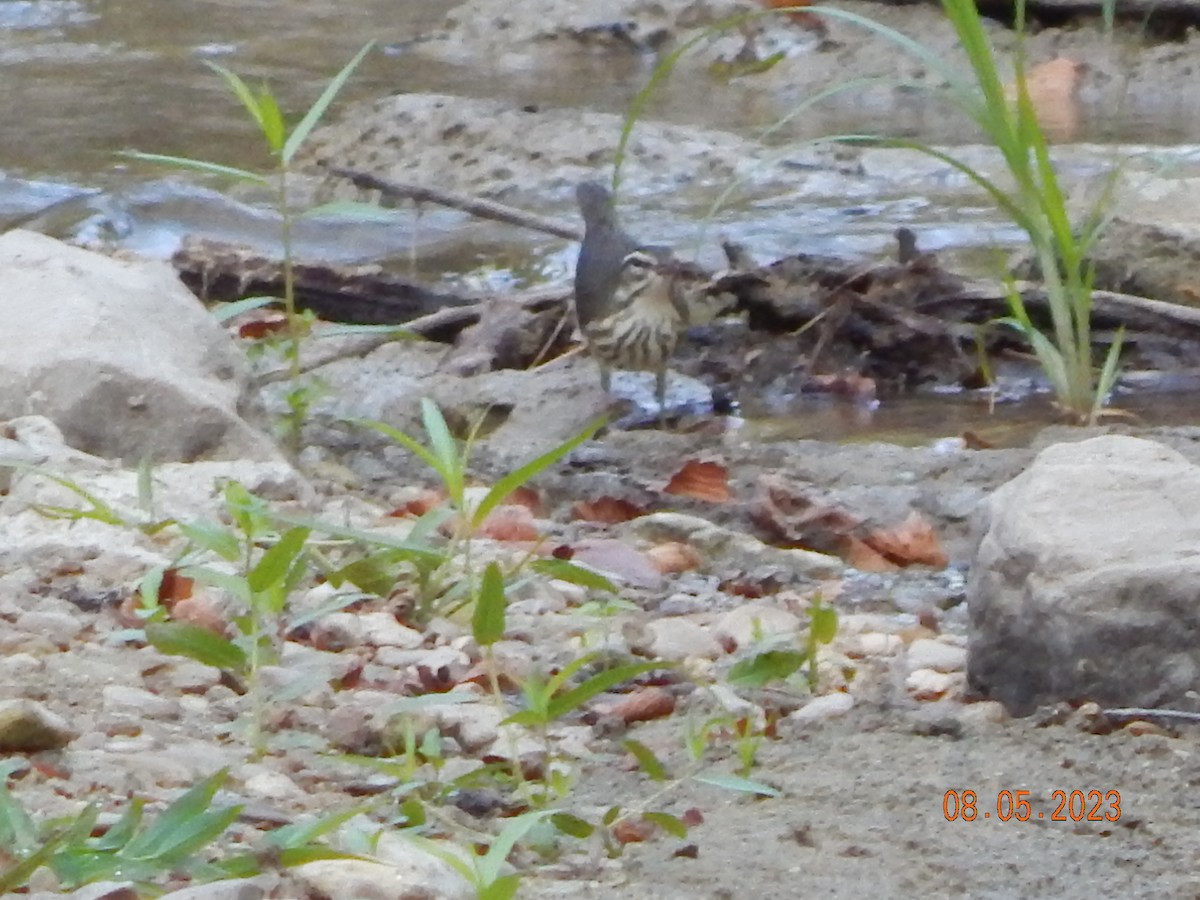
(509, 523)
(633, 831)
(1052, 87)
(422, 503)
(864, 557)
(607, 510)
(702, 480)
(527, 497)
(202, 612)
(643, 705)
(912, 542)
(262, 325)
(174, 587)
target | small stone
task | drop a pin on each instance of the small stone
(929, 684)
(752, 622)
(268, 785)
(28, 727)
(120, 698)
(61, 628)
(983, 714)
(680, 638)
(337, 631)
(380, 629)
(875, 643)
(936, 655)
(827, 706)
(421, 877)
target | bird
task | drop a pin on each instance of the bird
(631, 299)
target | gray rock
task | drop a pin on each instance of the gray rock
(1084, 579)
(28, 727)
(119, 355)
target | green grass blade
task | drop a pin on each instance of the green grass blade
(242, 91)
(737, 783)
(599, 683)
(300, 133)
(278, 561)
(196, 165)
(487, 623)
(227, 311)
(200, 644)
(513, 480)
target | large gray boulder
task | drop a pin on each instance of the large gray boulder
(119, 355)
(1086, 579)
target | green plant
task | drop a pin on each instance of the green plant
(260, 579)
(129, 849)
(1035, 202)
(283, 145)
(442, 589)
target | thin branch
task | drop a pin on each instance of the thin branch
(484, 209)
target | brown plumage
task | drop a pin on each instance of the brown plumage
(631, 300)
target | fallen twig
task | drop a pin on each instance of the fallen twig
(484, 209)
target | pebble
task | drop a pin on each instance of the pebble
(752, 622)
(121, 698)
(680, 638)
(29, 727)
(827, 706)
(936, 655)
(380, 629)
(929, 684)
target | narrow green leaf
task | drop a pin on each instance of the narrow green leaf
(239, 89)
(822, 623)
(122, 831)
(279, 560)
(270, 119)
(504, 888)
(487, 623)
(737, 783)
(197, 165)
(766, 667)
(176, 820)
(572, 825)
(611, 815)
(226, 311)
(599, 683)
(17, 829)
(515, 829)
(646, 760)
(213, 538)
(182, 639)
(513, 480)
(672, 825)
(445, 449)
(408, 443)
(300, 133)
(564, 570)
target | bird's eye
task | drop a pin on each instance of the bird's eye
(639, 260)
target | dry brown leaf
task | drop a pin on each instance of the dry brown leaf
(509, 523)
(912, 542)
(201, 611)
(1052, 88)
(674, 557)
(704, 480)
(261, 324)
(864, 557)
(527, 497)
(607, 510)
(973, 441)
(420, 504)
(643, 705)
(633, 831)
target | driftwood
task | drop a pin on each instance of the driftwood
(360, 295)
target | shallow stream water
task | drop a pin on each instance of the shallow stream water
(85, 79)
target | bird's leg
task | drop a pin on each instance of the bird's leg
(660, 392)
(605, 378)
